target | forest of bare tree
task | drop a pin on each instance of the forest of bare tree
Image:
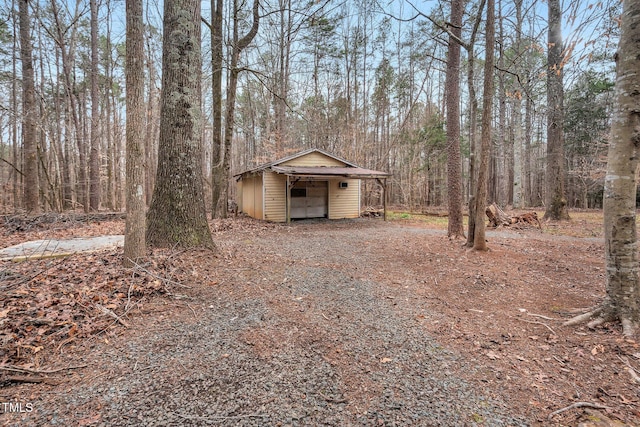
(364, 80)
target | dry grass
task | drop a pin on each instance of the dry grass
(583, 223)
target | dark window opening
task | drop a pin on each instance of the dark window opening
(298, 192)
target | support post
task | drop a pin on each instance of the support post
(288, 201)
(383, 184)
(384, 198)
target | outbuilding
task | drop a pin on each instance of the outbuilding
(309, 184)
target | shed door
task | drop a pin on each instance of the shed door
(309, 199)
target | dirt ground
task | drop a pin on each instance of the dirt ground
(353, 322)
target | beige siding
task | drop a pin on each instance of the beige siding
(344, 202)
(275, 202)
(258, 193)
(239, 195)
(247, 196)
(251, 190)
(313, 159)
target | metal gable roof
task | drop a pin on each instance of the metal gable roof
(349, 170)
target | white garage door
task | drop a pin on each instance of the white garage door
(309, 199)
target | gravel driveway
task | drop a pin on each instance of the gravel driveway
(285, 326)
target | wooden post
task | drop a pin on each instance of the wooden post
(288, 201)
(384, 198)
(383, 184)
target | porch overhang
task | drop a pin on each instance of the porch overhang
(327, 172)
(296, 173)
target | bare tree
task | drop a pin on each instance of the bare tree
(94, 153)
(177, 215)
(473, 123)
(67, 45)
(217, 154)
(518, 135)
(621, 252)
(135, 227)
(479, 241)
(29, 129)
(454, 158)
(556, 204)
(220, 173)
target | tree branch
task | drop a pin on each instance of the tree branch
(12, 165)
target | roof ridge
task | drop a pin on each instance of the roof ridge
(295, 156)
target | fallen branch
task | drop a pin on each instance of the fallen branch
(32, 380)
(577, 405)
(538, 323)
(630, 369)
(155, 276)
(192, 310)
(12, 368)
(541, 316)
(108, 312)
(216, 418)
(28, 279)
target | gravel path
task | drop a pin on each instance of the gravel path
(285, 328)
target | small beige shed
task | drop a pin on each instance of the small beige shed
(309, 184)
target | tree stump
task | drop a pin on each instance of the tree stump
(497, 217)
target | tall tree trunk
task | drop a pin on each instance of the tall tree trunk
(111, 196)
(177, 215)
(94, 154)
(479, 241)
(516, 121)
(621, 251)
(238, 45)
(151, 133)
(518, 143)
(67, 50)
(217, 150)
(29, 129)
(528, 134)
(500, 178)
(473, 126)
(556, 203)
(135, 226)
(282, 82)
(455, 228)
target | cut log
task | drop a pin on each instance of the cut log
(371, 212)
(497, 218)
(529, 218)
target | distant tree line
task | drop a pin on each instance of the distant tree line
(348, 77)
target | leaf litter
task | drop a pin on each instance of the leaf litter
(51, 307)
